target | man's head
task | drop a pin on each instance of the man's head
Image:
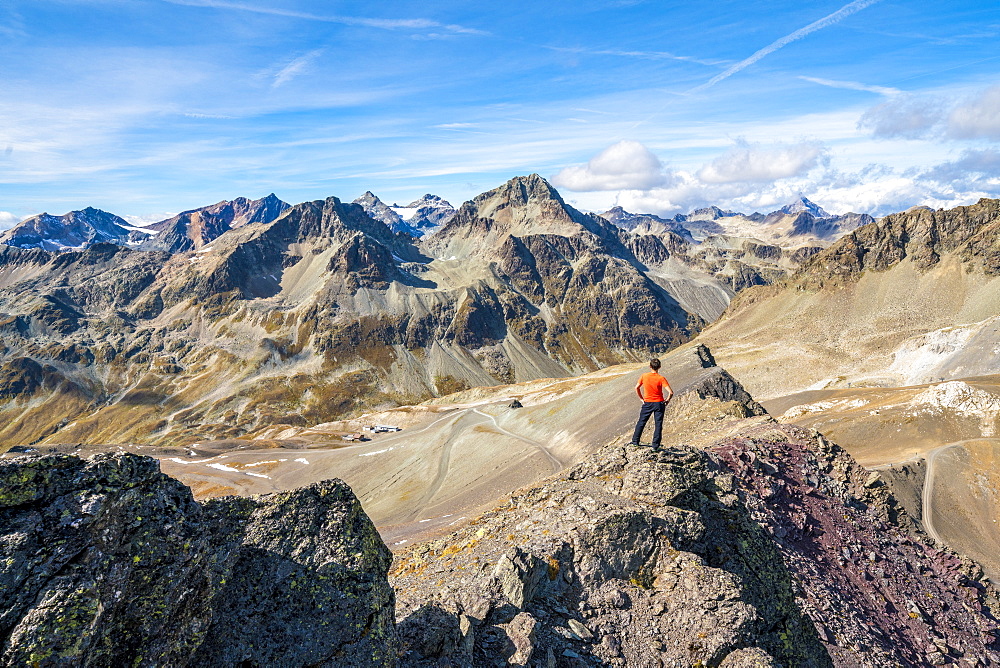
(654, 364)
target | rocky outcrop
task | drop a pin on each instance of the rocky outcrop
(769, 547)
(107, 562)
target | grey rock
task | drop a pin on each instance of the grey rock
(107, 562)
(580, 630)
(519, 574)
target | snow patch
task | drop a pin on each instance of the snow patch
(302, 460)
(193, 461)
(257, 475)
(376, 452)
(405, 212)
(223, 467)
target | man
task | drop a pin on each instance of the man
(650, 389)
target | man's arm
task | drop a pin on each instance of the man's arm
(638, 389)
(670, 391)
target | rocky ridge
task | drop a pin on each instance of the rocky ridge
(74, 230)
(194, 229)
(744, 542)
(765, 545)
(801, 223)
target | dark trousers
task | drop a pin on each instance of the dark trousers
(654, 408)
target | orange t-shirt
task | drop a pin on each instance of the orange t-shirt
(653, 385)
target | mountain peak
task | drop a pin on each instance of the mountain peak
(73, 230)
(801, 204)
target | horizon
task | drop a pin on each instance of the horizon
(149, 108)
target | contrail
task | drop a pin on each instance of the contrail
(828, 20)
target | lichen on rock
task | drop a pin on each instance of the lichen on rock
(108, 562)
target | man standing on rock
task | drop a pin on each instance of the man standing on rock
(650, 389)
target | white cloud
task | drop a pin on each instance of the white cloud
(978, 118)
(754, 163)
(910, 116)
(8, 220)
(971, 166)
(905, 116)
(627, 165)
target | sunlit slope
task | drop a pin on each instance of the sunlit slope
(888, 425)
(909, 298)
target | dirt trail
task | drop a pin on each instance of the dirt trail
(556, 464)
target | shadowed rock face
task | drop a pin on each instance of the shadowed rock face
(107, 562)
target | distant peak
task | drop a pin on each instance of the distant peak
(802, 203)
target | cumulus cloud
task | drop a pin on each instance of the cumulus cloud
(627, 165)
(754, 163)
(8, 220)
(904, 116)
(978, 118)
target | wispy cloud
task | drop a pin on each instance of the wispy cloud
(368, 22)
(640, 55)
(824, 22)
(295, 68)
(853, 85)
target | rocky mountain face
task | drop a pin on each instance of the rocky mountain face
(192, 230)
(418, 218)
(908, 298)
(325, 311)
(74, 230)
(108, 562)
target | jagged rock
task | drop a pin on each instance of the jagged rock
(761, 550)
(521, 633)
(518, 575)
(515, 404)
(107, 562)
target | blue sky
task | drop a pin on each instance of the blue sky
(149, 107)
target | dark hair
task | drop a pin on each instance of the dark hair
(654, 363)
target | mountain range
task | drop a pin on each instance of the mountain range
(505, 341)
(247, 313)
